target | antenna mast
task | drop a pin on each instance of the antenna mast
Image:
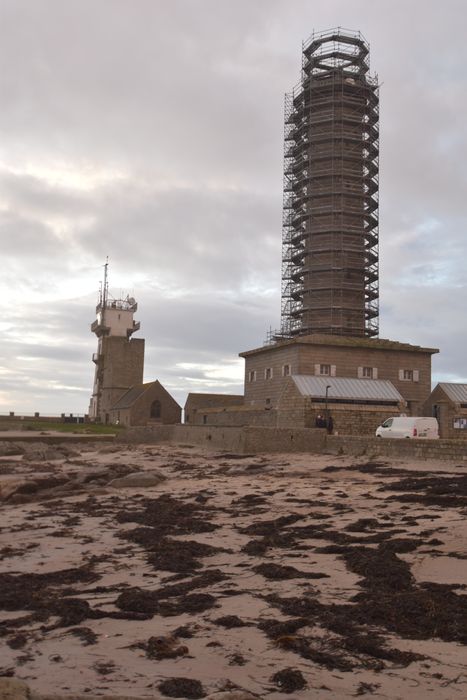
(105, 289)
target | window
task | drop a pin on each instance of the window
(268, 373)
(285, 370)
(409, 375)
(367, 372)
(268, 404)
(156, 409)
(325, 370)
(205, 420)
(252, 375)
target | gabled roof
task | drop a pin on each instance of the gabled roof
(455, 392)
(200, 400)
(346, 388)
(136, 392)
(130, 396)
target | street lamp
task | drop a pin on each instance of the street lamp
(326, 405)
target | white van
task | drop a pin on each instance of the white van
(409, 427)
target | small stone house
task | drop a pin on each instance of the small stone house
(448, 403)
(146, 404)
(196, 403)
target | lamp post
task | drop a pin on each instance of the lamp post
(326, 413)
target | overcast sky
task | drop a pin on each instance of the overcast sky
(150, 131)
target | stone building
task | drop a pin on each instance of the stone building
(146, 404)
(407, 367)
(448, 403)
(196, 403)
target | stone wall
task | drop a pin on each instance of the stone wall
(123, 368)
(349, 419)
(403, 449)
(234, 416)
(262, 389)
(261, 439)
(388, 362)
(294, 410)
(230, 439)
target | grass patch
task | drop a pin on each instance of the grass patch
(84, 428)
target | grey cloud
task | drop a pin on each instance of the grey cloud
(183, 103)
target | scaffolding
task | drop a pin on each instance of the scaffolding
(330, 207)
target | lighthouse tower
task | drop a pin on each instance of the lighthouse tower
(119, 358)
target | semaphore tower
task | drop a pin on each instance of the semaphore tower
(119, 358)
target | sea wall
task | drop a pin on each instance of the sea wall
(264, 439)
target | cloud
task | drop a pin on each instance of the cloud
(151, 132)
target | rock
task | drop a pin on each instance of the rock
(89, 474)
(41, 453)
(139, 480)
(232, 695)
(289, 680)
(8, 449)
(9, 486)
(13, 689)
(109, 449)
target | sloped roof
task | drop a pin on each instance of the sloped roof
(136, 392)
(455, 392)
(346, 388)
(130, 396)
(200, 400)
(346, 341)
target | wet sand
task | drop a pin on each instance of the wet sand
(303, 576)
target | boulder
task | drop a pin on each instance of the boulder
(39, 452)
(232, 695)
(139, 480)
(8, 449)
(9, 486)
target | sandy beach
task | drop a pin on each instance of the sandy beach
(162, 571)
